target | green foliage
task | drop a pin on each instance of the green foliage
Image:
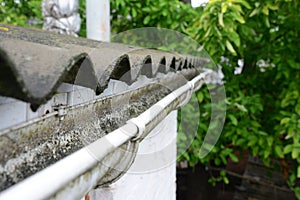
(82, 12)
(130, 14)
(23, 13)
(214, 180)
(263, 115)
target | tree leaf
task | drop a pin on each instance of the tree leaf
(265, 10)
(230, 47)
(200, 96)
(297, 192)
(279, 152)
(254, 12)
(285, 120)
(293, 64)
(238, 17)
(217, 161)
(241, 107)
(146, 9)
(295, 153)
(233, 36)
(245, 3)
(287, 149)
(233, 119)
(220, 18)
(222, 173)
(267, 22)
(147, 20)
(272, 6)
(233, 157)
(270, 141)
(226, 180)
(224, 8)
(207, 32)
(134, 13)
(255, 151)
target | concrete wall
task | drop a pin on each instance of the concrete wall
(15, 112)
(153, 174)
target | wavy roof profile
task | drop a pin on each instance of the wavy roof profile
(34, 63)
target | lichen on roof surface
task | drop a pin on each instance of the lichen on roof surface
(34, 63)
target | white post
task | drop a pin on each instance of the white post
(98, 20)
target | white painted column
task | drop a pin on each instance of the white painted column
(98, 20)
(153, 173)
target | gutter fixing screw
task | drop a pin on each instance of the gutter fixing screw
(61, 109)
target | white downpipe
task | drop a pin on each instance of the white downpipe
(98, 20)
(49, 181)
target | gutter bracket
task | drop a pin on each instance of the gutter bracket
(188, 96)
(140, 126)
(61, 111)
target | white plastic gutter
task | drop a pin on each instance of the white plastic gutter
(52, 179)
(98, 20)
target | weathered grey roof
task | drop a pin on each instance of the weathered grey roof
(34, 63)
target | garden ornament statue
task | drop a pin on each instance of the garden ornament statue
(61, 16)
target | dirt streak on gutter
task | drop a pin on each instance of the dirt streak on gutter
(27, 149)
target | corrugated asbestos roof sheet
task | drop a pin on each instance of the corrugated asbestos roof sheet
(34, 63)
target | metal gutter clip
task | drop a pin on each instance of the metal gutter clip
(61, 111)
